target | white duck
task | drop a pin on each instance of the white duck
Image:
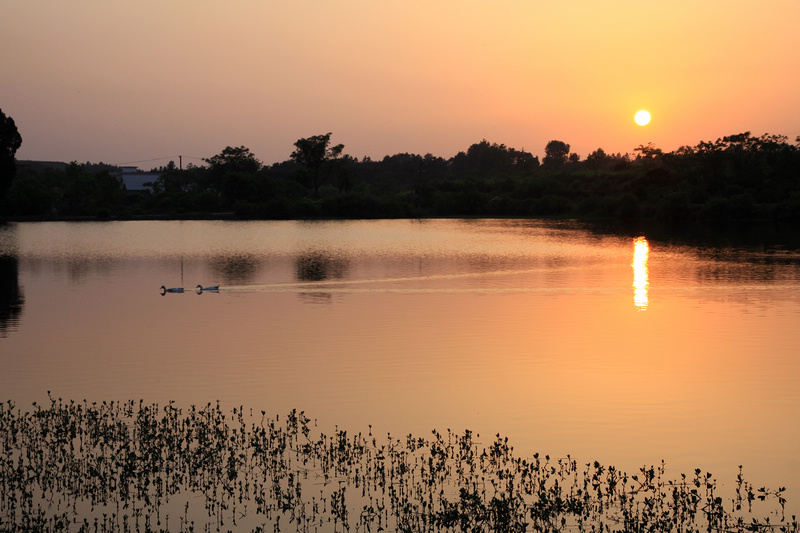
(211, 288)
(165, 290)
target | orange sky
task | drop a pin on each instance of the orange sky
(125, 82)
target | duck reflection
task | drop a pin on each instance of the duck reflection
(641, 252)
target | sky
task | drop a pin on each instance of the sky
(143, 82)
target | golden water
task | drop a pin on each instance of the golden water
(620, 348)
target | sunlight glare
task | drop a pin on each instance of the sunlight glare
(642, 118)
(641, 251)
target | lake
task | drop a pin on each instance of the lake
(621, 347)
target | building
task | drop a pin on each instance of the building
(134, 180)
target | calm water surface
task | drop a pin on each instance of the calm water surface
(565, 340)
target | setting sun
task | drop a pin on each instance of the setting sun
(642, 118)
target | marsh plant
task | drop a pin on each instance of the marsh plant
(133, 466)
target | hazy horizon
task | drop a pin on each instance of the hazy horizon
(145, 82)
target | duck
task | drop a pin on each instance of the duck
(165, 290)
(212, 288)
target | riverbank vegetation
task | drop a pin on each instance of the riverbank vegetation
(739, 176)
(134, 466)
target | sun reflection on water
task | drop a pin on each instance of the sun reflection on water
(641, 251)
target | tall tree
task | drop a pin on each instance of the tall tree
(238, 159)
(556, 154)
(10, 141)
(314, 154)
(232, 173)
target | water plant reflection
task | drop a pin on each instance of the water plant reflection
(641, 253)
(124, 466)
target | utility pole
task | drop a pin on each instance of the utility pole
(180, 160)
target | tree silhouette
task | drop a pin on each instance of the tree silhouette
(556, 154)
(314, 153)
(10, 141)
(597, 160)
(232, 172)
(234, 160)
(484, 159)
(649, 152)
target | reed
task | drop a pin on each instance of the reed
(135, 466)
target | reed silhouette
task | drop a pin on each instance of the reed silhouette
(125, 466)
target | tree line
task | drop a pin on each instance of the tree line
(739, 176)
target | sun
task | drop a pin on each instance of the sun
(642, 117)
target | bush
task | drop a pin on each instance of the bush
(28, 198)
